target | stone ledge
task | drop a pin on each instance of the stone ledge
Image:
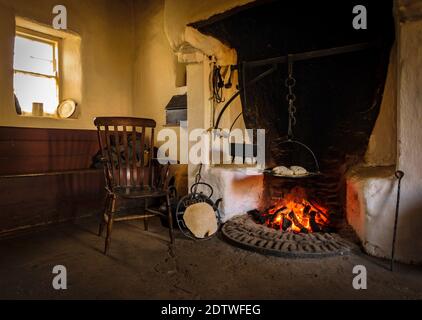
(240, 191)
(370, 207)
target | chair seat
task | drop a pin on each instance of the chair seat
(138, 192)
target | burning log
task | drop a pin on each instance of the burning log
(286, 224)
(257, 216)
(297, 222)
(307, 210)
(318, 208)
(269, 208)
(280, 210)
(272, 217)
(253, 212)
(314, 226)
(294, 211)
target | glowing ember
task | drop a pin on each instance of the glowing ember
(294, 212)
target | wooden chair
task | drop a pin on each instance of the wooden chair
(127, 148)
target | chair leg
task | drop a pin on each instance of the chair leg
(106, 210)
(145, 219)
(110, 224)
(170, 217)
(101, 227)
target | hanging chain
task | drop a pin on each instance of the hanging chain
(291, 98)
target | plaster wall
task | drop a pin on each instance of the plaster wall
(103, 70)
(372, 191)
(409, 140)
(155, 64)
(160, 31)
(383, 141)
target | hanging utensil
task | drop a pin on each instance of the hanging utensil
(308, 174)
(195, 197)
(399, 175)
(290, 83)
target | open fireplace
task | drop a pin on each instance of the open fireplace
(339, 75)
(294, 211)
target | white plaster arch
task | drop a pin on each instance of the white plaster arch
(183, 39)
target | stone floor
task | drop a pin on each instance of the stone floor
(140, 265)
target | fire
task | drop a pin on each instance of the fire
(295, 212)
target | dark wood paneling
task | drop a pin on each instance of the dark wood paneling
(45, 176)
(33, 150)
(31, 200)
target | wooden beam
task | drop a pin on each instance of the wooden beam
(310, 54)
(229, 13)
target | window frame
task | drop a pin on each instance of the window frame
(55, 42)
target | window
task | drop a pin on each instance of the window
(36, 76)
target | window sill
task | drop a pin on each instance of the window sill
(167, 125)
(50, 117)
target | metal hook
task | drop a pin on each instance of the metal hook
(399, 175)
(290, 65)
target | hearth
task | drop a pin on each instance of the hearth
(321, 80)
(316, 202)
(356, 111)
(295, 218)
(244, 232)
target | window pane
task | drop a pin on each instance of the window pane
(31, 89)
(33, 56)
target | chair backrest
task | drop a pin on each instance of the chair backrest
(127, 148)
